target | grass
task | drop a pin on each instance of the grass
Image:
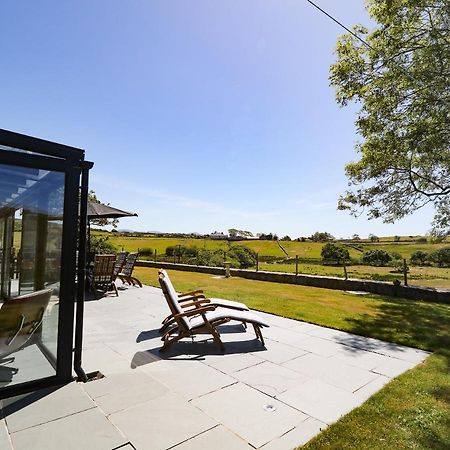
(411, 412)
(268, 248)
(424, 276)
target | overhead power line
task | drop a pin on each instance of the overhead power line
(339, 23)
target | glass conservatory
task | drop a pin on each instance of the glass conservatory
(43, 189)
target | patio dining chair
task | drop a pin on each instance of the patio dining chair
(21, 319)
(103, 274)
(186, 301)
(126, 274)
(120, 261)
(201, 318)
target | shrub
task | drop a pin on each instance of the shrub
(319, 236)
(181, 250)
(146, 251)
(421, 240)
(441, 257)
(419, 258)
(376, 257)
(333, 252)
(244, 255)
(396, 256)
(101, 245)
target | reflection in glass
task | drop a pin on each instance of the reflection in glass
(31, 222)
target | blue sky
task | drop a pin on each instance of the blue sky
(199, 115)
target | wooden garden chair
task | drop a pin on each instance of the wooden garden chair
(103, 274)
(126, 274)
(21, 319)
(120, 262)
(185, 300)
(201, 318)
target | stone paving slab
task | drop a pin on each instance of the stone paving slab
(162, 423)
(5, 441)
(299, 435)
(194, 395)
(87, 430)
(218, 438)
(44, 406)
(335, 373)
(248, 413)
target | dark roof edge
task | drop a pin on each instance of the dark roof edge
(33, 144)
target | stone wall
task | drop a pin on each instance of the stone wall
(374, 287)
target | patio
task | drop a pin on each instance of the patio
(276, 397)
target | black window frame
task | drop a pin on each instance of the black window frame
(52, 156)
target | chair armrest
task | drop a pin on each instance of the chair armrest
(194, 312)
(196, 303)
(184, 294)
(191, 297)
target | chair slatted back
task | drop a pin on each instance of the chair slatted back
(128, 267)
(20, 318)
(104, 268)
(172, 299)
(120, 261)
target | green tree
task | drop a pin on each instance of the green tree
(322, 236)
(334, 253)
(400, 75)
(92, 197)
(376, 257)
(419, 258)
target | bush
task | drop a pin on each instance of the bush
(244, 255)
(376, 257)
(319, 236)
(146, 251)
(396, 256)
(422, 240)
(419, 258)
(335, 253)
(441, 257)
(101, 245)
(181, 250)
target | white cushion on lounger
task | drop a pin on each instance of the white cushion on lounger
(228, 304)
(219, 314)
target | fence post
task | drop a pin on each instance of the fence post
(345, 271)
(156, 257)
(405, 272)
(257, 262)
(179, 253)
(296, 265)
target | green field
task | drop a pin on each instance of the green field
(310, 251)
(268, 248)
(412, 411)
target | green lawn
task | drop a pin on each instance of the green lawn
(411, 412)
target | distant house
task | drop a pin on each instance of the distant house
(218, 236)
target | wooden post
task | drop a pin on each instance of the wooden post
(179, 253)
(156, 257)
(345, 271)
(257, 262)
(296, 265)
(405, 272)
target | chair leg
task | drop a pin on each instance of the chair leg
(135, 281)
(258, 333)
(216, 336)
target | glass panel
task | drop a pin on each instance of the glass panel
(31, 222)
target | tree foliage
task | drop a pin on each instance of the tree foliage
(92, 197)
(335, 253)
(322, 236)
(401, 79)
(376, 257)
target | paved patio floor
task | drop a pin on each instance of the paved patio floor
(196, 397)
